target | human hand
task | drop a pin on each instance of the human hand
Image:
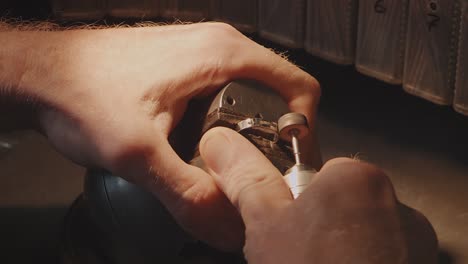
(112, 97)
(348, 214)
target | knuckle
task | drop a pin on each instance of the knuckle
(130, 154)
(239, 186)
(310, 90)
(367, 177)
(221, 28)
(218, 33)
(246, 188)
(312, 85)
(337, 161)
(364, 182)
(217, 43)
(367, 174)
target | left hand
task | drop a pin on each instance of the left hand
(113, 96)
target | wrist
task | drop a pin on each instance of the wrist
(26, 58)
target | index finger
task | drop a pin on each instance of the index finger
(300, 90)
(226, 55)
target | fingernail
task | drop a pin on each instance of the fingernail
(215, 149)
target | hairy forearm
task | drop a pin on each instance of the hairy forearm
(20, 73)
(28, 59)
(13, 60)
(38, 59)
(15, 80)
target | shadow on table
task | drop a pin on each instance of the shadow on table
(31, 235)
(446, 258)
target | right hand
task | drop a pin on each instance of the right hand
(349, 213)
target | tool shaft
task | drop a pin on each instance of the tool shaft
(295, 146)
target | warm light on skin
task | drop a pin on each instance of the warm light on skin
(110, 97)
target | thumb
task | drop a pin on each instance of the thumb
(252, 184)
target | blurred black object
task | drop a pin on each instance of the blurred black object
(117, 222)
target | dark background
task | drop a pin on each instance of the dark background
(422, 146)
